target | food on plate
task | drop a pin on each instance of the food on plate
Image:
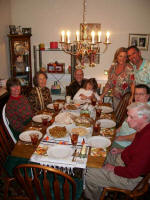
(83, 121)
(98, 152)
(80, 131)
(58, 131)
(41, 150)
(107, 131)
(71, 107)
(84, 113)
(105, 116)
(65, 118)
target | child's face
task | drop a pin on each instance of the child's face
(89, 87)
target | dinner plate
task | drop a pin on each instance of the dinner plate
(99, 142)
(60, 151)
(38, 118)
(25, 136)
(106, 123)
(50, 106)
(106, 109)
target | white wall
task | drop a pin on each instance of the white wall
(48, 17)
(5, 21)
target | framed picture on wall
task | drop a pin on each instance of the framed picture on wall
(86, 32)
(139, 40)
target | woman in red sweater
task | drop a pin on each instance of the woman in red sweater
(18, 110)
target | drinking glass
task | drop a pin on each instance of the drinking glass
(56, 107)
(93, 101)
(68, 99)
(97, 127)
(98, 112)
(34, 138)
(45, 120)
(74, 138)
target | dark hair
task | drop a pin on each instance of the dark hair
(143, 86)
(93, 82)
(35, 79)
(12, 82)
(118, 51)
(133, 47)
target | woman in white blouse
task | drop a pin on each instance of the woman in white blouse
(85, 94)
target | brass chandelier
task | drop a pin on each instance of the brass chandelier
(84, 47)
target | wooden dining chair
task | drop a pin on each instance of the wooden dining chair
(6, 146)
(139, 190)
(44, 182)
(121, 111)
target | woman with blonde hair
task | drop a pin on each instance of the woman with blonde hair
(120, 76)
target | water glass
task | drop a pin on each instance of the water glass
(74, 138)
(34, 138)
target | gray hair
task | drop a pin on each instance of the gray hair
(141, 108)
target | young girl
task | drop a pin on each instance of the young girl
(88, 92)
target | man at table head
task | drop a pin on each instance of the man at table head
(124, 168)
(125, 134)
(77, 83)
(141, 67)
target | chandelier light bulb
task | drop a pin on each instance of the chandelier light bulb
(68, 36)
(63, 36)
(99, 36)
(107, 37)
(77, 36)
(93, 36)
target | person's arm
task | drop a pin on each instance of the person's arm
(126, 137)
(132, 93)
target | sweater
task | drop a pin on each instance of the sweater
(136, 157)
(18, 112)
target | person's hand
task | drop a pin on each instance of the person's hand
(83, 97)
(115, 150)
(119, 138)
(131, 100)
(109, 167)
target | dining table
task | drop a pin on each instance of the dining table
(23, 151)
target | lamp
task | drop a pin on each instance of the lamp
(84, 47)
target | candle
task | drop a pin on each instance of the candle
(77, 36)
(107, 37)
(93, 36)
(99, 36)
(68, 36)
(63, 36)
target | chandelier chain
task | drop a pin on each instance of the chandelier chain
(84, 11)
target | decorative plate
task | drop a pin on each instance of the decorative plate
(99, 142)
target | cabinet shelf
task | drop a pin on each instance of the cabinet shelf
(49, 49)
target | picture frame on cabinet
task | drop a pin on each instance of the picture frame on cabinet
(56, 67)
(141, 41)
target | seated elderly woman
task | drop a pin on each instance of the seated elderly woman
(39, 96)
(18, 110)
(88, 92)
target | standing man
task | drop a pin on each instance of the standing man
(76, 84)
(141, 67)
(124, 168)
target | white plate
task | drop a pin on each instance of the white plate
(106, 109)
(50, 106)
(25, 136)
(99, 142)
(107, 123)
(38, 118)
(60, 151)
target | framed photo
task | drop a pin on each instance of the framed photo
(55, 67)
(86, 32)
(139, 40)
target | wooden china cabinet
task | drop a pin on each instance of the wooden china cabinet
(20, 59)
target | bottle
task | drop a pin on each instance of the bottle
(83, 151)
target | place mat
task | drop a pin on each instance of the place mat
(60, 162)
